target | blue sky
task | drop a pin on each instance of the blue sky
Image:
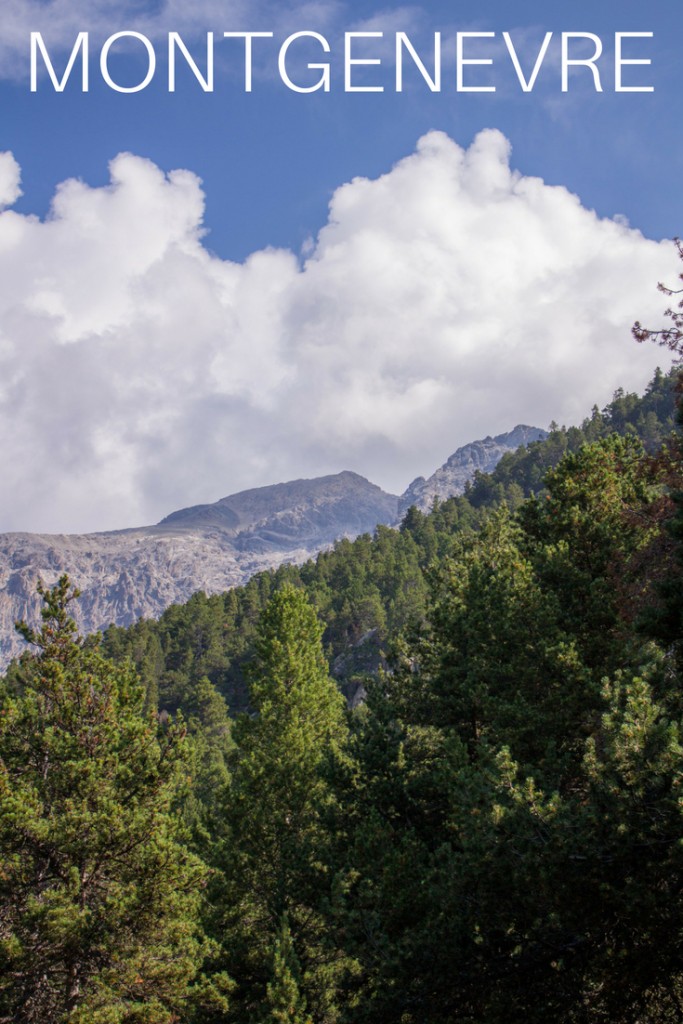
(621, 153)
(244, 252)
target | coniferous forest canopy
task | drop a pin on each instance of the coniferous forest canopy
(197, 828)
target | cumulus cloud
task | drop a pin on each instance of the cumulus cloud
(448, 299)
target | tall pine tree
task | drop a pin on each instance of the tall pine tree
(99, 899)
(275, 868)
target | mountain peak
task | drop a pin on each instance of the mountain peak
(328, 498)
(477, 456)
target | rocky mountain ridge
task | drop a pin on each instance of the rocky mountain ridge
(124, 575)
(478, 456)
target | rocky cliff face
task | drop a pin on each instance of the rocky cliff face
(461, 466)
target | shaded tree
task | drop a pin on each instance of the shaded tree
(275, 857)
(99, 899)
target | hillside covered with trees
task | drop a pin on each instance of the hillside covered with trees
(366, 591)
(196, 828)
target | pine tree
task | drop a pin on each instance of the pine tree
(511, 816)
(99, 899)
(277, 799)
(666, 621)
(285, 1002)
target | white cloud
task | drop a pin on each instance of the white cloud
(448, 299)
(10, 178)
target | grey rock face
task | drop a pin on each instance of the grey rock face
(461, 466)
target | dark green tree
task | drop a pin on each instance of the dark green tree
(99, 899)
(284, 1000)
(508, 821)
(665, 621)
(276, 810)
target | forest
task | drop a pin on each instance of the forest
(434, 775)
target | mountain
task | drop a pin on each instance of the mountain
(478, 456)
(128, 574)
(125, 575)
(308, 513)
